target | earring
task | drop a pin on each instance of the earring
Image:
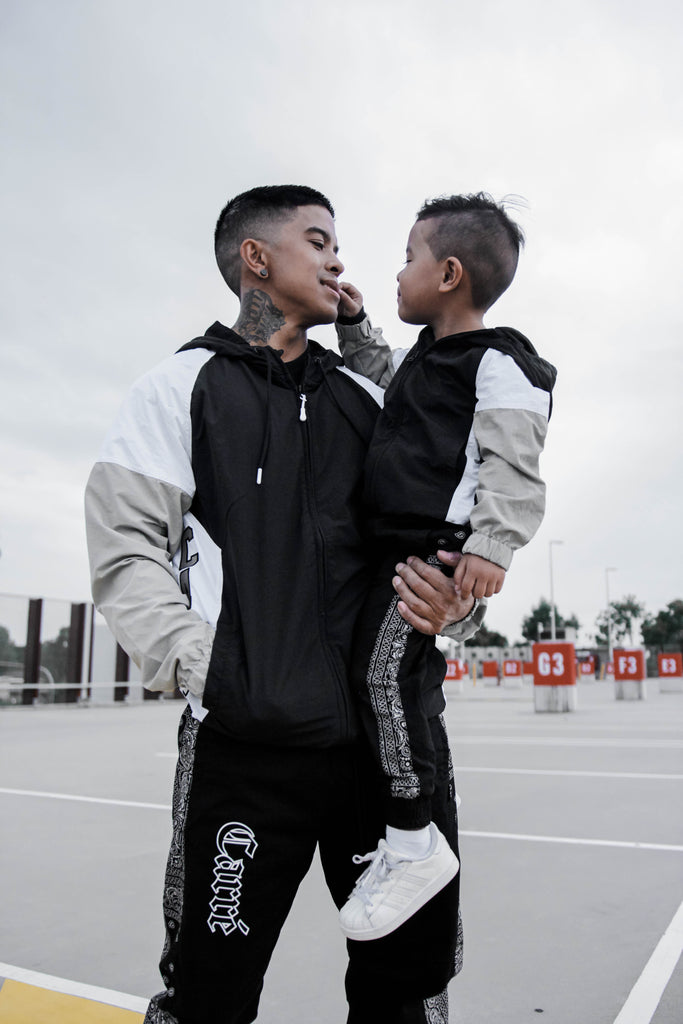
(263, 272)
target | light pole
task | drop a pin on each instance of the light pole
(609, 614)
(552, 589)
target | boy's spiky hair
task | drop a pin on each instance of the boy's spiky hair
(478, 231)
(253, 214)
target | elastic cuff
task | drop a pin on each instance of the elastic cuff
(409, 813)
(351, 321)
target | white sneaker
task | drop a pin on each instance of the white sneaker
(394, 887)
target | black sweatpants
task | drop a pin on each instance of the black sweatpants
(246, 823)
(398, 675)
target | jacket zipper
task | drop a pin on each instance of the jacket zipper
(322, 578)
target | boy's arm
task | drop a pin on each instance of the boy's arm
(508, 434)
(134, 522)
(363, 347)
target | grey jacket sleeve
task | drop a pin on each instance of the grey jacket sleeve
(508, 433)
(135, 502)
(134, 525)
(365, 351)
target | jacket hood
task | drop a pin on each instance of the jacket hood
(226, 342)
(513, 343)
(267, 362)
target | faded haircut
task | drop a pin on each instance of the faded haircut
(254, 214)
(476, 230)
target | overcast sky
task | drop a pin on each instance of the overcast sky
(127, 124)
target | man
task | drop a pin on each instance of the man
(225, 534)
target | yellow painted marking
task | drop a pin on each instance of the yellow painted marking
(26, 1004)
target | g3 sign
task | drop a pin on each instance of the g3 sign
(554, 665)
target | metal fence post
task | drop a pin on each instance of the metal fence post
(32, 655)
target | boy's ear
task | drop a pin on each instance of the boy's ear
(254, 257)
(451, 274)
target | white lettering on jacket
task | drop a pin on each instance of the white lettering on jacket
(232, 839)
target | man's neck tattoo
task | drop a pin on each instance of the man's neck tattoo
(259, 319)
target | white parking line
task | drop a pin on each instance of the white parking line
(84, 799)
(579, 773)
(567, 741)
(670, 848)
(74, 988)
(645, 995)
(480, 835)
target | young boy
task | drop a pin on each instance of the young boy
(453, 464)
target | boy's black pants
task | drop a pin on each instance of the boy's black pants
(398, 675)
(247, 820)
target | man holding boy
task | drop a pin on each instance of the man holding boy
(225, 535)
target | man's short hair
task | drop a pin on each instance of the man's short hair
(476, 230)
(253, 214)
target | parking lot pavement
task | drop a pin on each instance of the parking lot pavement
(572, 859)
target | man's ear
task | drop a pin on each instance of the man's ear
(451, 274)
(254, 257)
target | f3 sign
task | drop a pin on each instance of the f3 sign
(629, 665)
(554, 665)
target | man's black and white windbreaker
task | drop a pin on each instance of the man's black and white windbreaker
(243, 593)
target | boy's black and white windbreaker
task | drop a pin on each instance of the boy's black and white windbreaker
(243, 593)
(459, 439)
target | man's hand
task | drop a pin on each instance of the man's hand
(429, 600)
(478, 577)
(351, 301)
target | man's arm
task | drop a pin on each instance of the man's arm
(135, 501)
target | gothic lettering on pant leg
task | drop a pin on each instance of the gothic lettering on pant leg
(232, 839)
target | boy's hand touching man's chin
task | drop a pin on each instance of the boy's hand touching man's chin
(351, 300)
(478, 577)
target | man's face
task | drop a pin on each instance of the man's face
(304, 267)
(419, 280)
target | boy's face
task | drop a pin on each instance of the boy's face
(418, 282)
(305, 267)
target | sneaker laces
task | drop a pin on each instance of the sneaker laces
(382, 860)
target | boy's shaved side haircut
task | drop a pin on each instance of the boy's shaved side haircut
(476, 230)
(253, 214)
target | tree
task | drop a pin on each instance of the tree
(665, 630)
(8, 649)
(54, 653)
(623, 615)
(540, 615)
(487, 638)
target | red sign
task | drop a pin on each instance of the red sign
(453, 670)
(512, 668)
(489, 669)
(670, 664)
(528, 668)
(629, 665)
(587, 667)
(554, 664)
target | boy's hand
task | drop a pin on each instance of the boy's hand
(478, 577)
(351, 301)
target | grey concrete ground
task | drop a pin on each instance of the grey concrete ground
(555, 931)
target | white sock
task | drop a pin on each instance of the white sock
(411, 842)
